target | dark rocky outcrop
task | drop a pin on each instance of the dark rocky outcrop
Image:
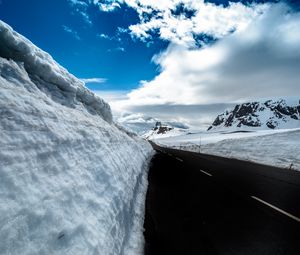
(160, 129)
(271, 113)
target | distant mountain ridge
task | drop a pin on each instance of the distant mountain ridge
(269, 114)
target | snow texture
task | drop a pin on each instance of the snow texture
(279, 148)
(259, 115)
(71, 182)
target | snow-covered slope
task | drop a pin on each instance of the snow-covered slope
(272, 147)
(71, 182)
(280, 149)
(163, 130)
(270, 114)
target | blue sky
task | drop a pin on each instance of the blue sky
(56, 27)
(156, 56)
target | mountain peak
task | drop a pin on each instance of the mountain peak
(269, 114)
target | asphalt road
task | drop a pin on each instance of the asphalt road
(201, 204)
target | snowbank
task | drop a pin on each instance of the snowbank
(71, 182)
(278, 148)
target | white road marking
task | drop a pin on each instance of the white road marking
(179, 159)
(277, 209)
(206, 173)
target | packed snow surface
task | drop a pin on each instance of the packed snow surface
(278, 148)
(71, 182)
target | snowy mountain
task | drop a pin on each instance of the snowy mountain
(270, 114)
(163, 130)
(142, 124)
(71, 181)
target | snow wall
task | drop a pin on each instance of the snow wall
(71, 181)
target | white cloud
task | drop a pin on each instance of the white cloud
(193, 115)
(122, 49)
(108, 7)
(94, 80)
(104, 36)
(121, 30)
(196, 17)
(78, 2)
(112, 96)
(115, 38)
(72, 32)
(81, 6)
(260, 61)
(85, 17)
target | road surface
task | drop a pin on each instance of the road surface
(201, 204)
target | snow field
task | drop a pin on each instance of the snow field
(279, 148)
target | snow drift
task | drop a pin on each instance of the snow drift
(279, 147)
(71, 182)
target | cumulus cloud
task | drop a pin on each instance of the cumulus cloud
(107, 7)
(261, 60)
(208, 19)
(184, 22)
